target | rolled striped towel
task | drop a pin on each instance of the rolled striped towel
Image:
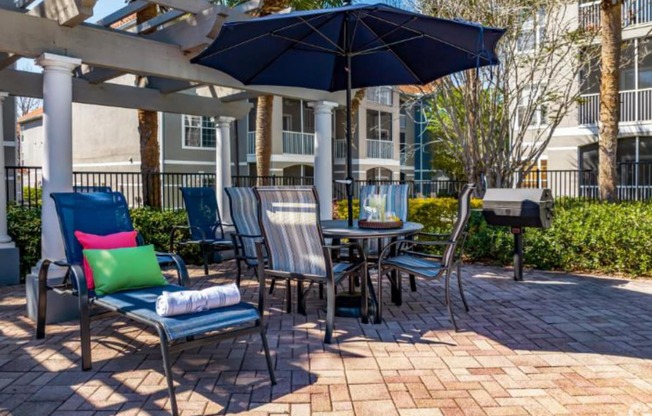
(191, 301)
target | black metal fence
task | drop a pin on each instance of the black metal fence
(24, 184)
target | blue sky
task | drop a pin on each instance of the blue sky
(104, 7)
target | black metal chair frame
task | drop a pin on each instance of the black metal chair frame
(75, 273)
(331, 279)
(450, 261)
(207, 245)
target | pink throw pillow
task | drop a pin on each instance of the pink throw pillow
(124, 239)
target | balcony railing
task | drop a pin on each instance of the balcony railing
(380, 95)
(635, 105)
(635, 12)
(251, 143)
(297, 143)
(380, 149)
(340, 148)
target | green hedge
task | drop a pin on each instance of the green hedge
(586, 236)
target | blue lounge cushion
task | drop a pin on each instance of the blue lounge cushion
(142, 304)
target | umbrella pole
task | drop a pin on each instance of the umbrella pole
(349, 143)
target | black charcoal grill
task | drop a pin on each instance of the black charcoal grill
(517, 209)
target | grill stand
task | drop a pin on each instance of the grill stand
(518, 253)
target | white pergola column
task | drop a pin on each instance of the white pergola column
(324, 156)
(57, 144)
(223, 164)
(5, 240)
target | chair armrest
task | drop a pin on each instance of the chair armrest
(238, 243)
(180, 266)
(175, 228)
(400, 245)
(436, 235)
(351, 244)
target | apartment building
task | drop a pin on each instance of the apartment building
(574, 145)
(106, 139)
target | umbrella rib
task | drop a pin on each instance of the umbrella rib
(326, 38)
(406, 66)
(397, 27)
(278, 56)
(311, 45)
(256, 38)
(430, 36)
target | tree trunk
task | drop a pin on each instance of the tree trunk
(264, 111)
(611, 31)
(148, 132)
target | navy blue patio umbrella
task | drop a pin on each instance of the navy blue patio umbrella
(349, 47)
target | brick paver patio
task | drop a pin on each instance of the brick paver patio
(554, 344)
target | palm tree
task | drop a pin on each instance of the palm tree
(265, 104)
(611, 35)
(148, 133)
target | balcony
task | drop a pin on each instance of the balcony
(635, 12)
(251, 143)
(298, 143)
(635, 105)
(380, 95)
(380, 149)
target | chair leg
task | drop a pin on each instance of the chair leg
(268, 357)
(167, 368)
(379, 307)
(448, 298)
(288, 296)
(399, 287)
(271, 286)
(85, 333)
(204, 252)
(321, 291)
(239, 276)
(413, 283)
(459, 284)
(301, 300)
(330, 311)
(42, 306)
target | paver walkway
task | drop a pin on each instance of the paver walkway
(554, 344)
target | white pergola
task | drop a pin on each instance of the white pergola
(80, 59)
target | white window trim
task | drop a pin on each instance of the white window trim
(183, 135)
(534, 23)
(379, 128)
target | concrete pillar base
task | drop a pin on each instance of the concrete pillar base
(61, 308)
(10, 261)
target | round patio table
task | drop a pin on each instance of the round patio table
(339, 229)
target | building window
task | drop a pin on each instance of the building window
(380, 95)
(379, 125)
(198, 132)
(532, 34)
(538, 176)
(538, 115)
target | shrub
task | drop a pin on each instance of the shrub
(585, 236)
(155, 226)
(24, 228)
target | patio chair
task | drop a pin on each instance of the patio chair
(411, 257)
(292, 237)
(108, 213)
(204, 224)
(244, 214)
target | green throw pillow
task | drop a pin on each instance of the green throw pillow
(124, 269)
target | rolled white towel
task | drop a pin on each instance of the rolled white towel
(191, 301)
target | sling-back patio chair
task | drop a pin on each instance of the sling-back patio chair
(411, 258)
(293, 239)
(244, 214)
(204, 224)
(108, 213)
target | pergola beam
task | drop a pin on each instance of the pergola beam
(31, 36)
(239, 96)
(128, 10)
(29, 84)
(67, 12)
(190, 6)
(159, 20)
(6, 60)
